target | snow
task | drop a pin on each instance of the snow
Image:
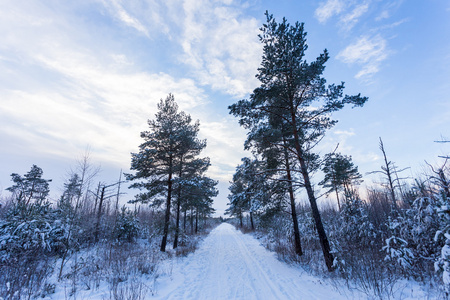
(231, 265)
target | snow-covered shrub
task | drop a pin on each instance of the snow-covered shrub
(410, 245)
(356, 229)
(127, 226)
(442, 237)
(26, 237)
(356, 245)
(351, 231)
(118, 265)
(397, 251)
(28, 228)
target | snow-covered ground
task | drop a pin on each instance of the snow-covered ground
(231, 265)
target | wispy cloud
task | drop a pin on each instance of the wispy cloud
(74, 86)
(388, 8)
(221, 46)
(348, 12)
(328, 9)
(349, 20)
(368, 52)
(218, 44)
(116, 8)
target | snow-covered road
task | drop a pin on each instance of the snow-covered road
(231, 265)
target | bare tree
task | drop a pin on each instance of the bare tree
(391, 172)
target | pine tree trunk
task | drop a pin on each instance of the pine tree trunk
(192, 220)
(312, 198)
(177, 228)
(196, 221)
(184, 220)
(318, 220)
(337, 197)
(167, 215)
(251, 221)
(298, 245)
(99, 215)
(337, 193)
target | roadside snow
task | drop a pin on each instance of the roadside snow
(231, 265)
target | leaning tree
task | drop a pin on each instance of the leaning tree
(293, 97)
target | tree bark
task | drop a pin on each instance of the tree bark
(298, 245)
(337, 193)
(316, 214)
(311, 197)
(177, 227)
(184, 220)
(99, 215)
(167, 215)
(192, 220)
(196, 221)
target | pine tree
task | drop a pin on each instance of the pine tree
(245, 186)
(189, 182)
(294, 91)
(29, 187)
(189, 167)
(340, 174)
(169, 145)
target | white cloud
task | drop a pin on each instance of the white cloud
(65, 87)
(388, 8)
(328, 9)
(345, 133)
(385, 14)
(349, 20)
(221, 46)
(225, 146)
(368, 52)
(218, 43)
(349, 12)
(116, 8)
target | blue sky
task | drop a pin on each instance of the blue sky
(88, 74)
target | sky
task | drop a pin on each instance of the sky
(84, 76)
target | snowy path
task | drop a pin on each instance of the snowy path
(231, 265)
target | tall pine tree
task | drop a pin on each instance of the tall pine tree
(169, 146)
(294, 91)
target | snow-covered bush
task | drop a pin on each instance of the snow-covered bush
(442, 237)
(351, 231)
(27, 236)
(29, 228)
(410, 245)
(127, 226)
(397, 251)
